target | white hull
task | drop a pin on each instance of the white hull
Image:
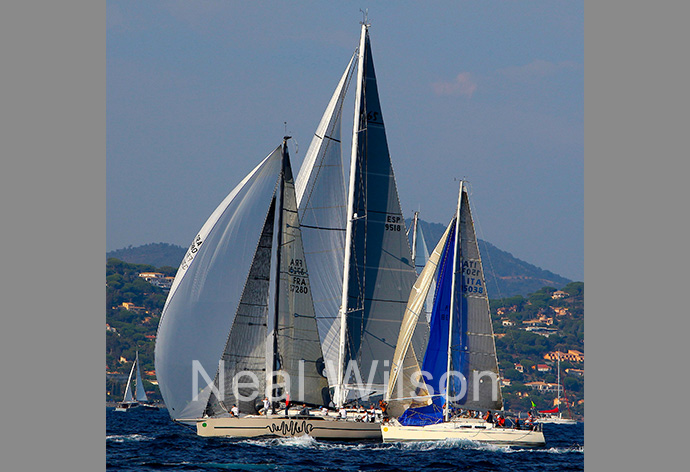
(557, 420)
(318, 427)
(126, 406)
(478, 431)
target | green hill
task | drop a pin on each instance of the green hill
(506, 275)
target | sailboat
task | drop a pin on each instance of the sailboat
(241, 307)
(555, 416)
(139, 397)
(459, 372)
(355, 241)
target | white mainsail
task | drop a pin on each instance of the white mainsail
(141, 392)
(320, 189)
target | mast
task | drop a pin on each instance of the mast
(558, 382)
(278, 230)
(340, 388)
(452, 300)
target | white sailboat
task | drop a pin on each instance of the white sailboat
(555, 416)
(356, 246)
(139, 397)
(460, 368)
(241, 308)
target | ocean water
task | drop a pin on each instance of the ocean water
(147, 440)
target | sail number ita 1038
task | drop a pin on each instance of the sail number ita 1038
(472, 277)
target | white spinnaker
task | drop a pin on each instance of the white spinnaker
(204, 296)
(320, 189)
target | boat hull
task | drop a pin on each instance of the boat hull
(126, 406)
(280, 426)
(557, 420)
(393, 432)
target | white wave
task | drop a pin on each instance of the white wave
(127, 437)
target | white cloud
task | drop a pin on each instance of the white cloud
(462, 85)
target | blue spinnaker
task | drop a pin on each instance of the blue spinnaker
(424, 415)
(436, 356)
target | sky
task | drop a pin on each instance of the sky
(197, 93)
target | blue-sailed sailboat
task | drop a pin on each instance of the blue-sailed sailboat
(459, 370)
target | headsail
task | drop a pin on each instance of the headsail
(128, 389)
(320, 190)
(378, 271)
(402, 387)
(206, 291)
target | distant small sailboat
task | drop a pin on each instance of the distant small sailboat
(139, 398)
(555, 416)
(435, 402)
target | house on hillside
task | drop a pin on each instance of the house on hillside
(559, 294)
(572, 355)
(149, 276)
(560, 310)
(129, 306)
(543, 386)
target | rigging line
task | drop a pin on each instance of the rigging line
(327, 137)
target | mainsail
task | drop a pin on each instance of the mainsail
(378, 271)
(476, 344)
(320, 189)
(141, 392)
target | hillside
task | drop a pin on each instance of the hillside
(155, 254)
(527, 328)
(506, 275)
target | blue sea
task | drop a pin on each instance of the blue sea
(147, 440)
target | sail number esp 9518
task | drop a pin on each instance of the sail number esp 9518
(393, 223)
